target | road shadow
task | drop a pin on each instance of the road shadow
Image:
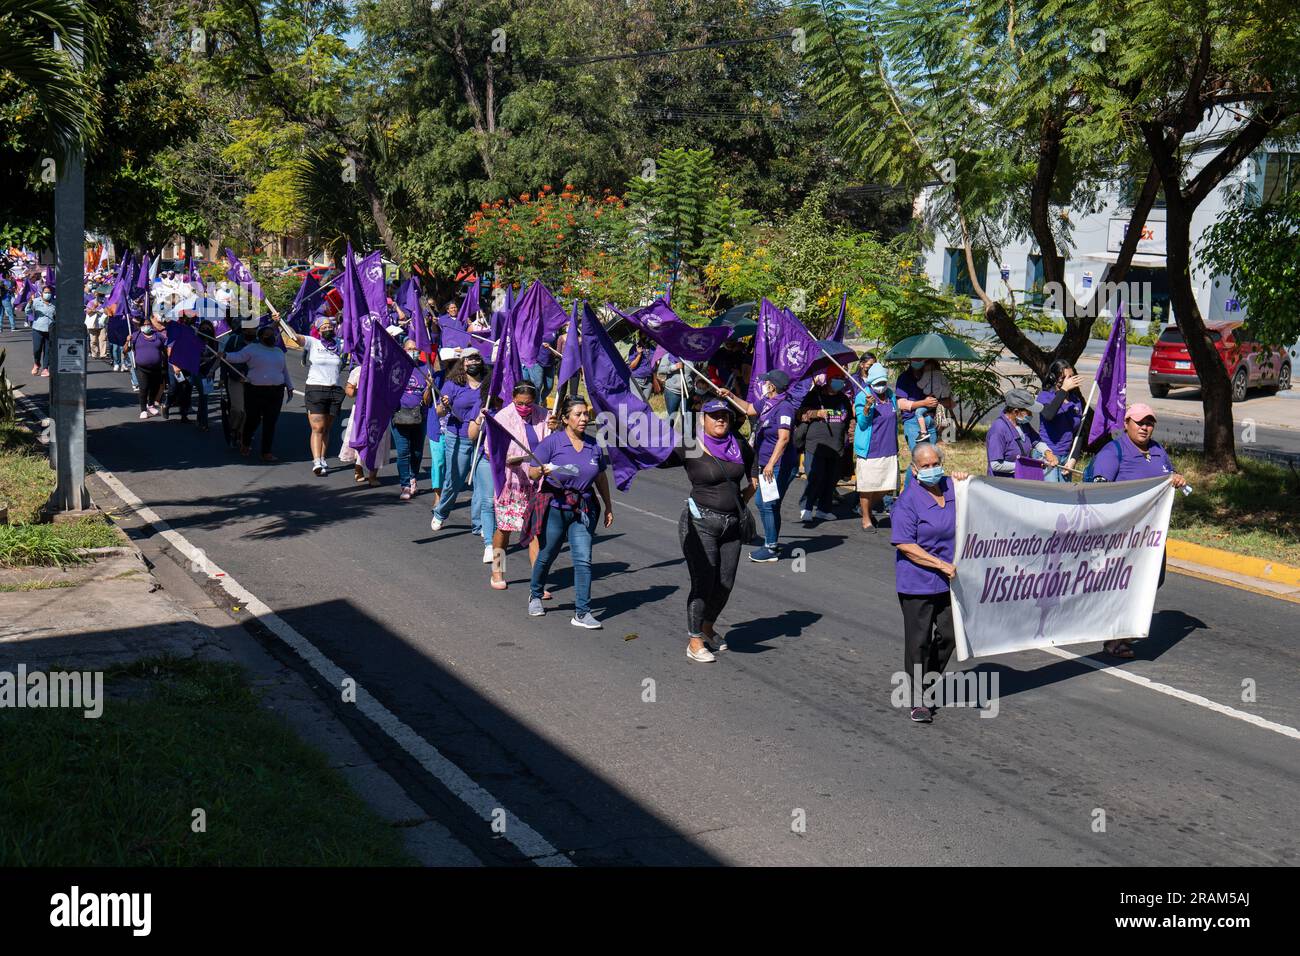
(751, 637)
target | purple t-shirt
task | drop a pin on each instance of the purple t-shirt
(1059, 431)
(557, 449)
(774, 414)
(1133, 463)
(466, 403)
(884, 429)
(917, 519)
(1006, 443)
(645, 369)
(413, 395)
(148, 348)
(907, 388)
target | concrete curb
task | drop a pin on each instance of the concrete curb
(1236, 570)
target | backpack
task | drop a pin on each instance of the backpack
(1089, 474)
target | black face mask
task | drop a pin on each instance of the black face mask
(474, 368)
(327, 335)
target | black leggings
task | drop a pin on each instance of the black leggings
(152, 379)
(262, 407)
(928, 638)
(711, 546)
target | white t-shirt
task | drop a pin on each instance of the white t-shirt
(323, 366)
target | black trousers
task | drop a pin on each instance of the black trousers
(711, 546)
(180, 394)
(262, 405)
(152, 379)
(823, 468)
(928, 639)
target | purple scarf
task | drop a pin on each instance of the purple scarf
(723, 449)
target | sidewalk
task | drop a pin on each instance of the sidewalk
(122, 608)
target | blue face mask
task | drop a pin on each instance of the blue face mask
(880, 387)
(918, 366)
(929, 476)
(837, 385)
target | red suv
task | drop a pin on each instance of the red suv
(1249, 364)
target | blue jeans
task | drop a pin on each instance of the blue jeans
(408, 442)
(559, 525)
(7, 312)
(437, 462)
(769, 512)
(457, 454)
(672, 399)
(483, 504)
(912, 432)
(117, 354)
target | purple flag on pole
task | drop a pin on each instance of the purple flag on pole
(571, 358)
(837, 330)
(498, 439)
(506, 372)
(184, 348)
(385, 370)
(408, 300)
(454, 335)
(663, 325)
(780, 342)
(469, 308)
(250, 292)
(644, 440)
(1112, 382)
(350, 339)
(142, 276)
(303, 311)
(528, 325)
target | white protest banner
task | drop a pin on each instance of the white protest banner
(1041, 564)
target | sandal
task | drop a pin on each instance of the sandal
(1120, 649)
(498, 585)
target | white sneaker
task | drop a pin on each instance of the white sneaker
(143, 416)
(805, 515)
(824, 515)
(587, 621)
(488, 553)
(117, 368)
(435, 523)
(318, 467)
(702, 656)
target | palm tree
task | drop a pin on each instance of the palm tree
(55, 72)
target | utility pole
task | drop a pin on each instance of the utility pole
(68, 367)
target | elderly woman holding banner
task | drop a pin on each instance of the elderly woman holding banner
(924, 532)
(527, 422)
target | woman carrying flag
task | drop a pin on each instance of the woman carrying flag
(775, 455)
(526, 421)
(569, 465)
(327, 369)
(714, 524)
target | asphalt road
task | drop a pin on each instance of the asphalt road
(793, 722)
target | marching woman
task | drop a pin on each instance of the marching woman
(148, 350)
(775, 456)
(526, 420)
(1062, 413)
(875, 444)
(462, 404)
(323, 394)
(924, 533)
(352, 456)
(1011, 436)
(714, 524)
(409, 424)
(1130, 455)
(569, 465)
(268, 388)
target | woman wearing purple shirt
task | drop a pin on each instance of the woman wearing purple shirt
(461, 404)
(1062, 413)
(409, 424)
(774, 453)
(875, 444)
(569, 465)
(148, 349)
(1131, 455)
(924, 531)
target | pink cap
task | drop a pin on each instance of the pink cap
(1138, 412)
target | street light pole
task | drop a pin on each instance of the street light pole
(68, 368)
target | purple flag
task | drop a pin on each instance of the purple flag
(663, 325)
(385, 370)
(643, 440)
(498, 439)
(1111, 382)
(49, 277)
(469, 308)
(571, 359)
(780, 342)
(350, 338)
(527, 324)
(506, 372)
(184, 348)
(364, 301)
(454, 335)
(142, 276)
(408, 299)
(303, 311)
(243, 279)
(837, 330)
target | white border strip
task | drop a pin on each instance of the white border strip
(527, 840)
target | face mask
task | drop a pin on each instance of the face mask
(327, 334)
(414, 357)
(46, 296)
(473, 368)
(524, 408)
(929, 476)
(880, 388)
(1022, 419)
(917, 366)
(837, 385)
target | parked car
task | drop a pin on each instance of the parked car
(1249, 364)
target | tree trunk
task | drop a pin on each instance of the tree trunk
(366, 180)
(1216, 390)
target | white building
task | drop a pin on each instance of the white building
(1016, 270)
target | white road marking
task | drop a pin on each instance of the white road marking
(1183, 695)
(527, 840)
